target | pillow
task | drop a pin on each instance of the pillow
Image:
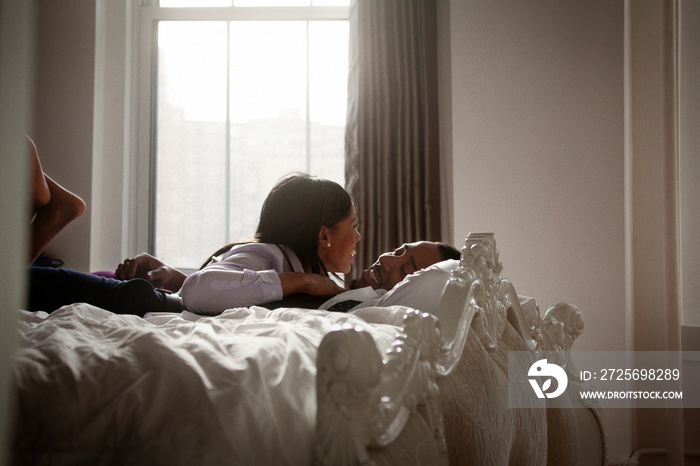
(421, 290)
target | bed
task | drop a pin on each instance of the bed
(418, 377)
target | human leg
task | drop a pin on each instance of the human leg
(51, 288)
(54, 207)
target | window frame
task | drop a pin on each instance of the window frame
(141, 189)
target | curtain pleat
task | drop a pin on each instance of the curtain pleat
(392, 151)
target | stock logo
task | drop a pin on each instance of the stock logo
(542, 368)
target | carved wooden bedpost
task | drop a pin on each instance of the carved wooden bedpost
(349, 369)
(365, 398)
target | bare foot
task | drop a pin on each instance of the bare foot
(62, 208)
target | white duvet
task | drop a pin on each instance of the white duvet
(98, 388)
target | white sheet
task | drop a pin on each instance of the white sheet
(238, 388)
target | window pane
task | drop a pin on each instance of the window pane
(268, 113)
(193, 3)
(330, 2)
(286, 112)
(328, 70)
(249, 3)
(191, 149)
(271, 2)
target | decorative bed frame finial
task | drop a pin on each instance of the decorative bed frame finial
(478, 283)
(483, 268)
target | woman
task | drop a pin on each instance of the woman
(306, 231)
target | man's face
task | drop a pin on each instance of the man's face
(392, 267)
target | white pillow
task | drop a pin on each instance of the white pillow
(421, 290)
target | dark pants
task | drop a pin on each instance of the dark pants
(51, 288)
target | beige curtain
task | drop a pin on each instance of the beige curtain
(392, 151)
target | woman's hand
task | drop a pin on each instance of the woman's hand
(154, 270)
(322, 286)
(309, 283)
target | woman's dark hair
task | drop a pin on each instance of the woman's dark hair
(296, 209)
(294, 212)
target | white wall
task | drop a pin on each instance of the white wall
(538, 149)
(81, 129)
(111, 184)
(63, 120)
(538, 154)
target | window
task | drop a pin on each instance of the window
(240, 95)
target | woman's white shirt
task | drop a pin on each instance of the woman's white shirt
(247, 275)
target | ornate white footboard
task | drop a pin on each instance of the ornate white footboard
(365, 397)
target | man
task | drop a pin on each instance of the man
(392, 267)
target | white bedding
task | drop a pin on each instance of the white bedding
(238, 388)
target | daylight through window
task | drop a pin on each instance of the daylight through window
(239, 104)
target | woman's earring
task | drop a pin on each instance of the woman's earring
(328, 245)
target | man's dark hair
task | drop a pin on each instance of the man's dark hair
(447, 251)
